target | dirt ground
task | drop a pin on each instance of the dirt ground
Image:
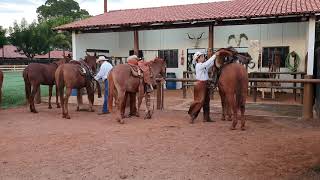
(89, 146)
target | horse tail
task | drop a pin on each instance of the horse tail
(111, 88)
(60, 84)
(27, 84)
(241, 92)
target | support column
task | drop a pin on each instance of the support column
(308, 87)
(136, 42)
(74, 46)
(211, 41)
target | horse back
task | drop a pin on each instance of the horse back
(232, 76)
(123, 78)
(41, 73)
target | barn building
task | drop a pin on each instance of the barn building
(260, 28)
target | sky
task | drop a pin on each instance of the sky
(11, 10)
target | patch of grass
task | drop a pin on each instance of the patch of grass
(13, 94)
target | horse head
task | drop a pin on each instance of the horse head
(91, 61)
(158, 67)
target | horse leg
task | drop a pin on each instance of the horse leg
(35, 88)
(148, 109)
(121, 106)
(223, 104)
(50, 94)
(90, 92)
(243, 120)
(133, 107)
(57, 97)
(232, 110)
(78, 99)
(66, 100)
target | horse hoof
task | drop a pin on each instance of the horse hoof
(78, 109)
(68, 116)
(121, 121)
(91, 110)
(223, 119)
(34, 111)
(58, 106)
(50, 107)
(243, 128)
(232, 128)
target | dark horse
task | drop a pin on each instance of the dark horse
(122, 83)
(233, 85)
(76, 75)
(35, 74)
(1, 81)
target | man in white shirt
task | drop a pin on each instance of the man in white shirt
(103, 73)
(201, 88)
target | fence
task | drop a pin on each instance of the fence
(13, 68)
(307, 84)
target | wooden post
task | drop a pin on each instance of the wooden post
(295, 85)
(105, 6)
(184, 87)
(308, 99)
(308, 87)
(159, 98)
(255, 92)
(211, 39)
(136, 42)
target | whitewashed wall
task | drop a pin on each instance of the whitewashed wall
(119, 43)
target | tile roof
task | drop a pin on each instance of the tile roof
(198, 12)
(10, 51)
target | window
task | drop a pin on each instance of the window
(269, 54)
(170, 56)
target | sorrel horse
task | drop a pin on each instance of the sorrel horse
(1, 81)
(122, 84)
(36, 74)
(233, 86)
(76, 75)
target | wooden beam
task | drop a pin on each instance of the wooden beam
(136, 42)
(211, 40)
(102, 29)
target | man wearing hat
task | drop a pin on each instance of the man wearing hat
(201, 88)
(105, 68)
(134, 60)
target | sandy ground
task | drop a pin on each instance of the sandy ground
(89, 146)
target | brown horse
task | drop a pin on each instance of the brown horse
(233, 87)
(36, 74)
(76, 75)
(122, 83)
(1, 81)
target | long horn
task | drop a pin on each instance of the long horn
(200, 36)
(190, 37)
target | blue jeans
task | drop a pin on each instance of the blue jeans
(105, 102)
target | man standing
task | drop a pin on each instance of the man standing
(201, 88)
(103, 73)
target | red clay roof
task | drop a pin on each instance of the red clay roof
(10, 51)
(199, 12)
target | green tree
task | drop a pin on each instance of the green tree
(3, 39)
(31, 39)
(61, 8)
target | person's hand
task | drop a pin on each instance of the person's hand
(217, 53)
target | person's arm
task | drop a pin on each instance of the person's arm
(100, 74)
(208, 63)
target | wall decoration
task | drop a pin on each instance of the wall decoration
(196, 39)
(238, 39)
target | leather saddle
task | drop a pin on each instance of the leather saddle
(84, 69)
(136, 71)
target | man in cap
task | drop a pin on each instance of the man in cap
(201, 88)
(134, 60)
(105, 68)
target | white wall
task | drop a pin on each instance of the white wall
(119, 43)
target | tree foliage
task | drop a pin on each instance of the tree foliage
(61, 8)
(3, 38)
(31, 39)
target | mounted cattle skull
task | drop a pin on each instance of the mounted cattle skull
(237, 39)
(196, 40)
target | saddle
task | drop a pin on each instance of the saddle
(136, 71)
(84, 69)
